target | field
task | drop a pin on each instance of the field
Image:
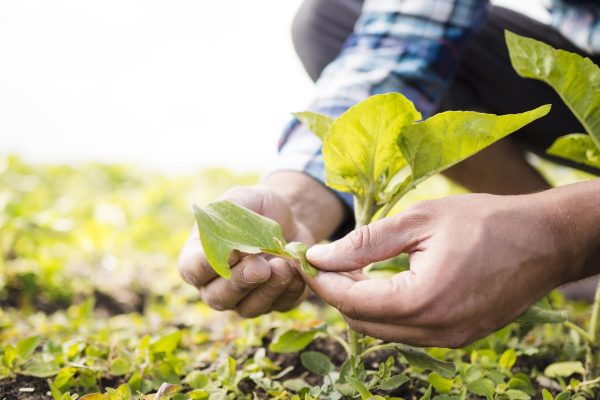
(92, 306)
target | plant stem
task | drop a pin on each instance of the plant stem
(384, 346)
(592, 359)
(363, 214)
(582, 332)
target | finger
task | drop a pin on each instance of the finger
(402, 334)
(193, 266)
(260, 300)
(370, 299)
(296, 293)
(249, 273)
(411, 335)
(378, 241)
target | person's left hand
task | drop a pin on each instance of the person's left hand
(476, 263)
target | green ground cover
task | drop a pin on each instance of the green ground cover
(92, 303)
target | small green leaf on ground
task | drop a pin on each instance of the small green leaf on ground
(166, 344)
(119, 366)
(316, 362)
(395, 381)
(197, 379)
(360, 387)
(564, 369)
(26, 347)
(482, 387)
(440, 384)
(507, 359)
(420, 359)
(292, 341)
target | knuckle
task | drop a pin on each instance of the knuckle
(347, 309)
(360, 238)
(213, 302)
(247, 313)
(455, 339)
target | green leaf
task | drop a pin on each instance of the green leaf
(40, 369)
(92, 396)
(360, 151)
(514, 394)
(292, 341)
(166, 344)
(563, 396)
(448, 138)
(564, 369)
(442, 385)
(316, 362)
(577, 147)
(546, 395)
(360, 387)
(26, 347)
(427, 394)
(420, 359)
(521, 384)
(541, 313)
(166, 390)
(197, 379)
(482, 387)
(394, 382)
(225, 226)
(318, 124)
(576, 79)
(9, 356)
(507, 359)
(298, 250)
(119, 366)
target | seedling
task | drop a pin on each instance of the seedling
(378, 150)
(577, 81)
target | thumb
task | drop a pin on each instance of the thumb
(377, 241)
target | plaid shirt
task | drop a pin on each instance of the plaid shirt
(412, 47)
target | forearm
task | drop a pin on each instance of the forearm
(315, 206)
(575, 211)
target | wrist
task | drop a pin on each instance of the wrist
(313, 205)
(573, 213)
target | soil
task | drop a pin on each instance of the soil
(24, 388)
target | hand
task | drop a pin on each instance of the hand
(258, 284)
(476, 263)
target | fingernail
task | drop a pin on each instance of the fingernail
(319, 251)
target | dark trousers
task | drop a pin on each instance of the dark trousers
(485, 80)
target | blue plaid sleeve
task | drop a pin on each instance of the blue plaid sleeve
(407, 46)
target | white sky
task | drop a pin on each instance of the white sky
(170, 85)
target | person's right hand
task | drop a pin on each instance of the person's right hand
(258, 284)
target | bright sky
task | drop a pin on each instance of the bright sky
(172, 85)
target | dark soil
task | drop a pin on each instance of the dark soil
(21, 388)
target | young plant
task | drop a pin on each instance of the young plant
(577, 81)
(378, 150)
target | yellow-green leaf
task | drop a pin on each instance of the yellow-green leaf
(318, 124)
(360, 151)
(448, 138)
(564, 369)
(575, 78)
(577, 147)
(292, 341)
(225, 226)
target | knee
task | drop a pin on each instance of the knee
(304, 35)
